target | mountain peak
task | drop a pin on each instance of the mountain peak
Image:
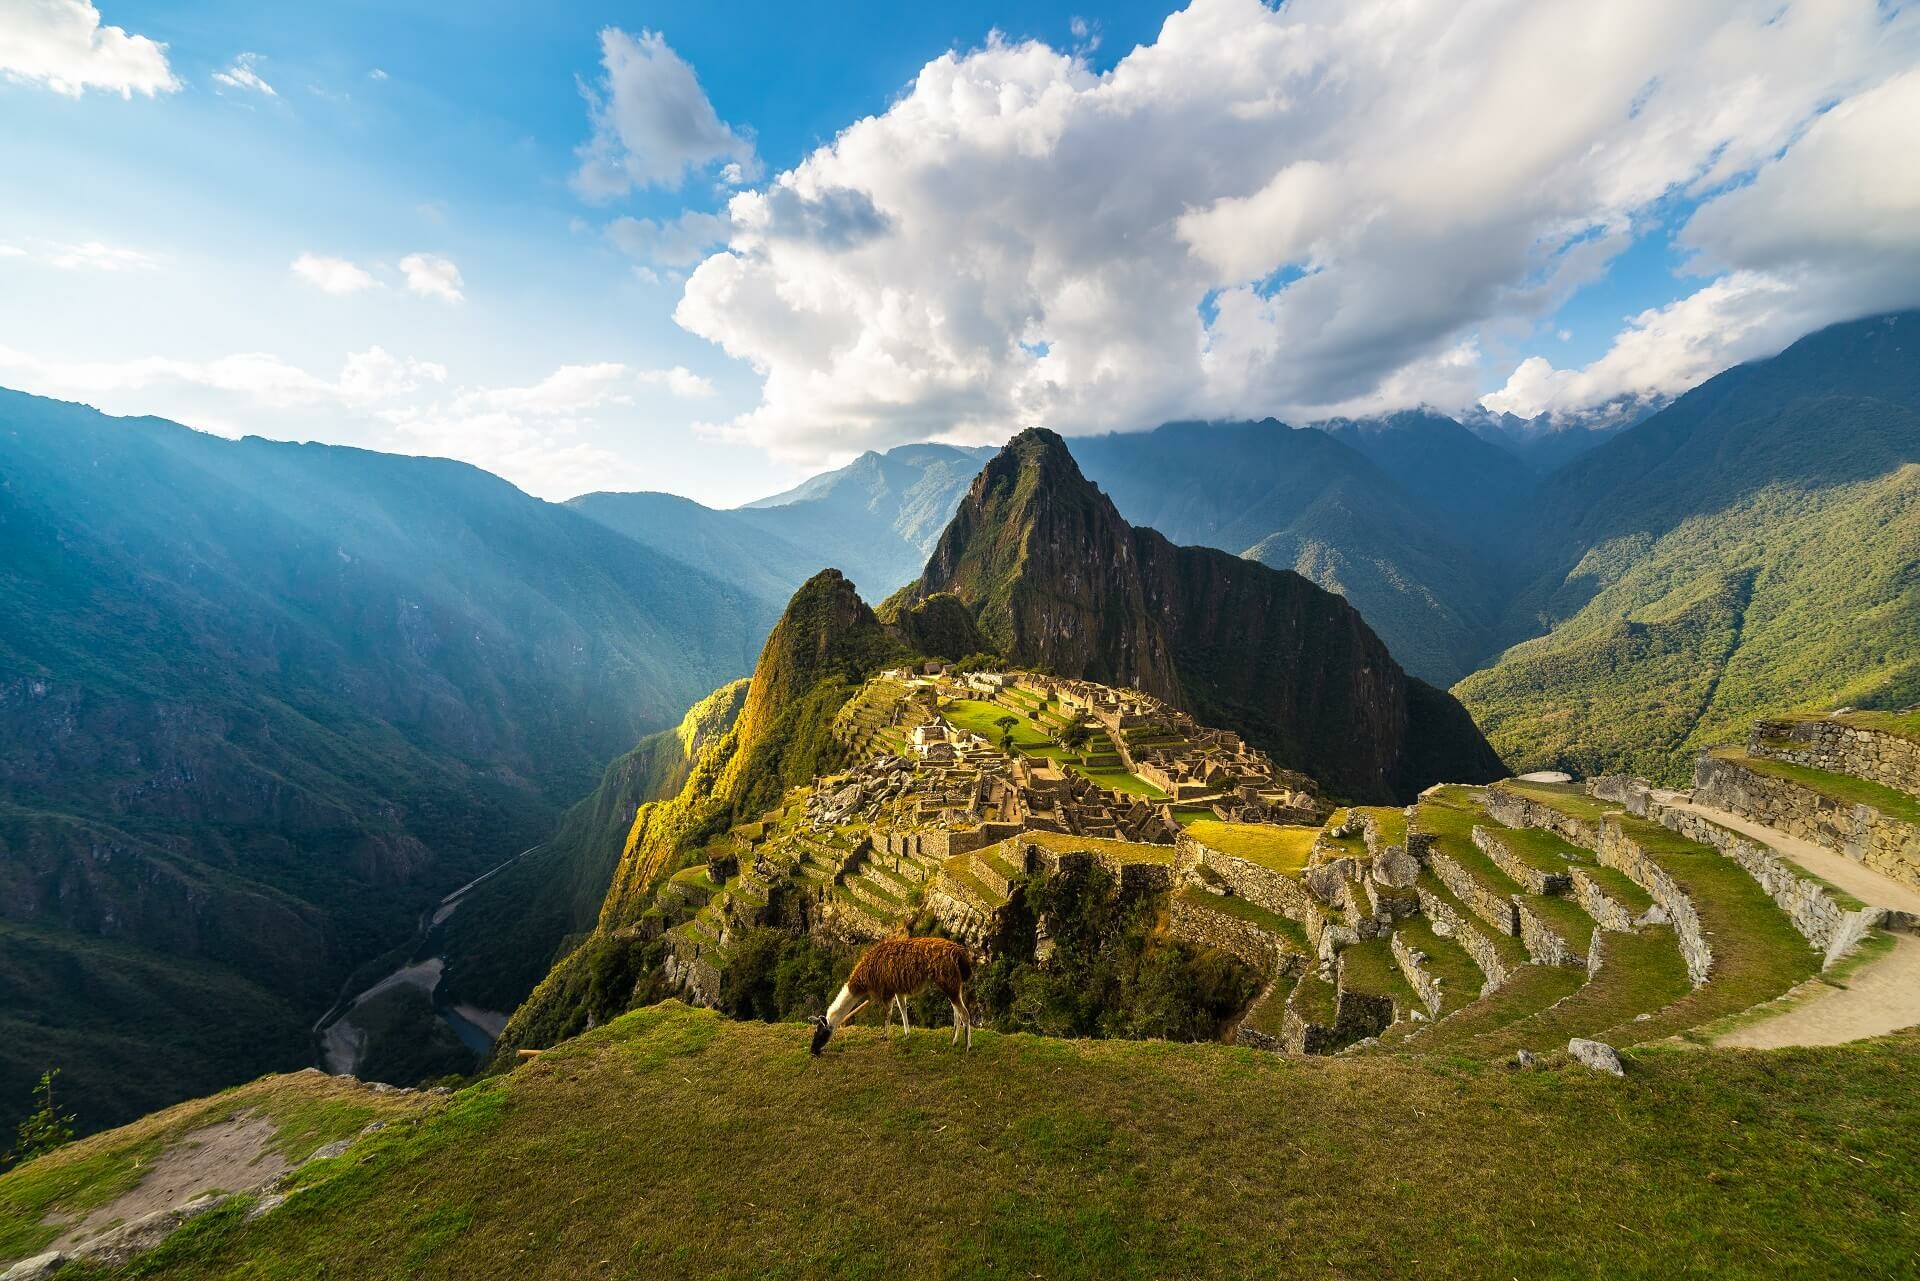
(1058, 581)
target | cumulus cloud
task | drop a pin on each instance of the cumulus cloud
(652, 122)
(332, 275)
(63, 45)
(578, 389)
(432, 276)
(1292, 210)
(241, 75)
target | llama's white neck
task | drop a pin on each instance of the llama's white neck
(842, 1008)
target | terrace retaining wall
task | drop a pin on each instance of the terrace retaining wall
(1862, 833)
(1840, 748)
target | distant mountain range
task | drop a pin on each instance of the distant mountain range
(261, 703)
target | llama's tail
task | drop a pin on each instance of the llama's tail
(966, 967)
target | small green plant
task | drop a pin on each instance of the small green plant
(1076, 735)
(44, 1129)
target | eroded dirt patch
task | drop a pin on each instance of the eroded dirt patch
(236, 1155)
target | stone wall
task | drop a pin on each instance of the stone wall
(1411, 962)
(1860, 832)
(1631, 794)
(1210, 927)
(1536, 880)
(1272, 890)
(1544, 943)
(1618, 850)
(1608, 913)
(1516, 810)
(1450, 924)
(1815, 911)
(1495, 909)
(1840, 748)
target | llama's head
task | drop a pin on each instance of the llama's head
(821, 1031)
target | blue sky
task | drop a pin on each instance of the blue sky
(1073, 231)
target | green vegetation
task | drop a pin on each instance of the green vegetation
(308, 1110)
(1390, 821)
(273, 700)
(1368, 966)
(1111, 971)
(1840, 787)
(1277, 848)
(1743, 553)
(44, 1129)
(1100, 1159)
(1233, 905)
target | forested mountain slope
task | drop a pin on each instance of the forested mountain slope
(1755, 547)
(260, 702)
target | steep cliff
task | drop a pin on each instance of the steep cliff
(1057, 580)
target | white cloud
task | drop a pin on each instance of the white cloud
(84, 255)
(377, 74)
(1827, 232)
(255, 379)
(61, 44)
(332, 275)
(432, 276)
(374, 375)
(681, 242)
(652, 122)
(679, 380)
(1266, 210)
(241, 75)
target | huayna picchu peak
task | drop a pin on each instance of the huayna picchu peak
(1058, 581)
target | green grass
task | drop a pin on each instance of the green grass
(1272, 846)
(1568, 798)
(1030, 740)
(1368, 966)
(1315, 998)
(1124, 851)
(1757, 954)
(1530, 989)
(1543, 851)
(979, 718)
(1270, 1015)
(1352, 846)
(1452, 826)
(1460, 978)
(1620, 887)
(1506, 946)
(1187, 816)
(1844, 788)
(1564, 917)
(1391, 822)
(673, 1143)
(1642, 973)
(308, 1110)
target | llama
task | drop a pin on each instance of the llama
(893, 970)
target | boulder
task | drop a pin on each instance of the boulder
(1597, 1055)
(38, 1268)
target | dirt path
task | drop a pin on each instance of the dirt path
(1881, 996)
(1860, 881)
(233, 1156)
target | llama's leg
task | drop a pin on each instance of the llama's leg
(905, 1025)
(966, 1016)
(956, 1021)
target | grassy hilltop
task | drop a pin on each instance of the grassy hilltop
(673, 1142)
